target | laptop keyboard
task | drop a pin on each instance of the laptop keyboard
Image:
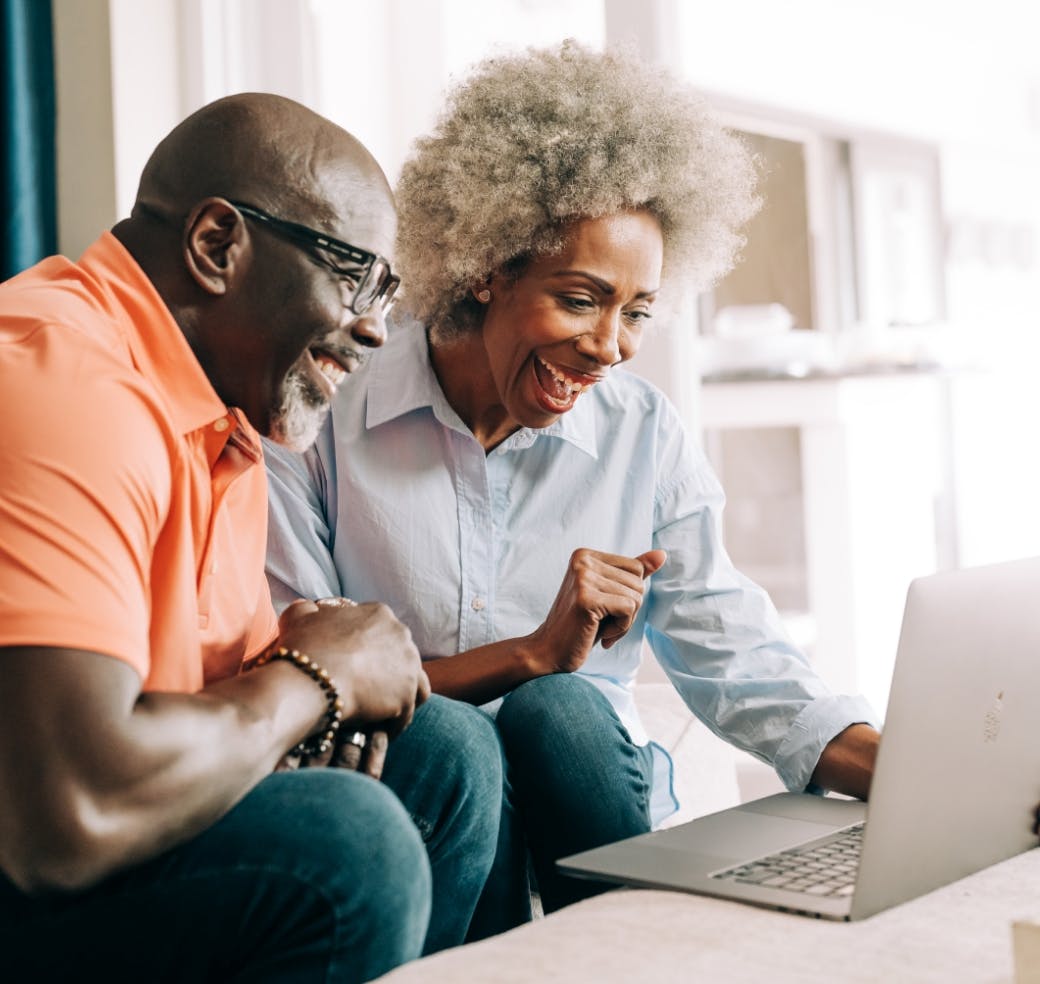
(824, 868)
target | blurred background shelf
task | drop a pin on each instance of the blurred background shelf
(838, 494)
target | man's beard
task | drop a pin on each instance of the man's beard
(297, 422)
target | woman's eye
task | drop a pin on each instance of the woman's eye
(577, 303)
(638, 317)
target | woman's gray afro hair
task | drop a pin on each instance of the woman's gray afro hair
(533, 141)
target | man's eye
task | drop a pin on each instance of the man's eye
(349, 278)
(346, 271)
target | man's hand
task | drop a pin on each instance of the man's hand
(597, 602)
(355, 751)
(370, 655)
(368, 758)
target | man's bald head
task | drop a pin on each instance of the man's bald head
(263, 149)
(262, 311)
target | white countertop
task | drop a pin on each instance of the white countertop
(958, 933)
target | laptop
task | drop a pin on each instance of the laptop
(955, 787)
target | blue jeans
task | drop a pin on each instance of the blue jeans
(447, 770)
(315, 875)
(577, 780)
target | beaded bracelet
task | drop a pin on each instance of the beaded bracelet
(322, 740)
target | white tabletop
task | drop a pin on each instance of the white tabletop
(958, 933)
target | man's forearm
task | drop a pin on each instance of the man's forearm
(99, 777)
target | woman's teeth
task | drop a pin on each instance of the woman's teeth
(559, 376)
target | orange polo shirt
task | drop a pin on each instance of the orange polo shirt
(133, 503)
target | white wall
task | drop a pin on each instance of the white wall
(961, 73)
(389, 89)
(926, 68)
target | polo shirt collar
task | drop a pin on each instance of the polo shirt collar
(157, 345)
(402, 380)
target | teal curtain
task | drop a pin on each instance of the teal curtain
(27, 151)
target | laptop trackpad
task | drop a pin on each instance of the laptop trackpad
(741, 836)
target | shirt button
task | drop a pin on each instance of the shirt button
(221, 425)
(477, 604)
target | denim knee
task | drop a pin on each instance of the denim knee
(467, 749)
(447, 768)
(580, 781)
(548, 709)
(449, 762)
(347, 838)
(363, 825)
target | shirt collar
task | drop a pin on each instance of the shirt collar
(403, 380)
(577, 427)
(157, 345)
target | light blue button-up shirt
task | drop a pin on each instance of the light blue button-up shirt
(398, 502)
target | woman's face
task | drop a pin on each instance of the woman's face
(556, 331)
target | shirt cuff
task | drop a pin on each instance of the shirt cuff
(821, 720)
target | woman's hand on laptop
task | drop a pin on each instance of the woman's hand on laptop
(847, 762)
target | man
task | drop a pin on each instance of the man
(149, 700)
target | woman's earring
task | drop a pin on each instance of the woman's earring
(483, 295)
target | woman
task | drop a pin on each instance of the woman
(493, 450)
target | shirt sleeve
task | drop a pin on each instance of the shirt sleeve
(299, 534)
(85, 486)
(720, 640)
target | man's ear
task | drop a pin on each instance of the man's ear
(216, 243)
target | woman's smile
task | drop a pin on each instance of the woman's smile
(558, 386)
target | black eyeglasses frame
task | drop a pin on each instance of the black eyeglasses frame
(306, 236)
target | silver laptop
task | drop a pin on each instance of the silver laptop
(955, 788)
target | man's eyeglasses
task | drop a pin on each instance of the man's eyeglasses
(368, 279)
